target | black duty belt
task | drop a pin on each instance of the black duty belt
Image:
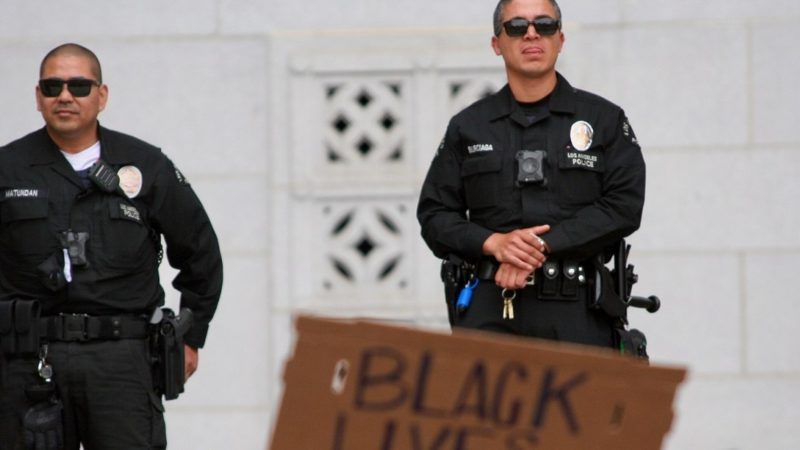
(556, 280)
(83, 327)
(486, 269)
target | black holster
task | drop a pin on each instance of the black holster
(166, 342)
(631, 343)
(455, 274)
(607, 296)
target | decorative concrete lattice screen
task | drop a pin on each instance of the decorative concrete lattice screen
(365, 130)
(362, 133)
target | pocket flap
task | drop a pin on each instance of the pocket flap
(23, 209)
(124, 211)
(483, 164)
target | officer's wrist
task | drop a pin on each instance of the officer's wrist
(489, 244)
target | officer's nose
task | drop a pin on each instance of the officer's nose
(65, 96)
(531, 33)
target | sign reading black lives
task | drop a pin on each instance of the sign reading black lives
(365, 386)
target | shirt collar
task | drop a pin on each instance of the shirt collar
(562, 100)
(43, 150)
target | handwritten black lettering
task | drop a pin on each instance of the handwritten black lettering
(441, 438)
(339, 432)
(549, 393)
(512, 368)
(472, 397)
(467, 435)
(388, 380)
(419, 405)
(388, 435)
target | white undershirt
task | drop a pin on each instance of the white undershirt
(84, 158)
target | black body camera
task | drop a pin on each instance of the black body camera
(530, 167)
(75, 244)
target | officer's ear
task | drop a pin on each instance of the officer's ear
(103, 91)
(38, 99)
(495, 46)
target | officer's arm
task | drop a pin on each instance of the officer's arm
(192, 248)
(618, 211)
(442, 209)
(191, 361)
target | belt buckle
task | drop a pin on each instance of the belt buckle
(74, 327)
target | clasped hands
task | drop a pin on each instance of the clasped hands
(519, 253)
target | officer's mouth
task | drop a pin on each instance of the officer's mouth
(533, 51)
(65, 113)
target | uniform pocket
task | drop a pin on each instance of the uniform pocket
(139, 356)
(158, 428)
(26, 228)
(581, 176)
(13, 210)
(481, 178)
(125, 240)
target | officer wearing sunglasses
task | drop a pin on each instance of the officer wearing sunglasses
(83, 210)
(529, 187)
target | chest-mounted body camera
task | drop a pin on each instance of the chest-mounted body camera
(530, 167)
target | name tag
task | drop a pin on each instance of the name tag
(22, 193)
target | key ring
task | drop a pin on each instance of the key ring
(508, 303)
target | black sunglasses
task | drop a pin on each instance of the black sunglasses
(545, 26)
(78, 87)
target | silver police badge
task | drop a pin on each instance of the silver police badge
(581, 135)
(130, 180)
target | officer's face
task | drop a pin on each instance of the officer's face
(531, 55)
(71, 118)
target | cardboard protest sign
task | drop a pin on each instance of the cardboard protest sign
(353, 385)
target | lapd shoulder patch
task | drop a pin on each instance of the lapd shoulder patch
(181, 179)
(439, 148)
(627, 131)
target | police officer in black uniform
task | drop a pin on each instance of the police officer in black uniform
(87, 247)
(529, 186)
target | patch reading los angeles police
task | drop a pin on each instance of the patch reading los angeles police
(130, 180)
(129, 212)
(581, 135)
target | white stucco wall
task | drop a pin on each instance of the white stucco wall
(232, 91)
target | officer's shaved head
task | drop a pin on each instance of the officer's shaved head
(71, 49)
(501, 5)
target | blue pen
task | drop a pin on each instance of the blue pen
(465, 297)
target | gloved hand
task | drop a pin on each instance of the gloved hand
(43, 426)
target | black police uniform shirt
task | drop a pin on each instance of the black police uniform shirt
(592, 197)
(41, 196)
